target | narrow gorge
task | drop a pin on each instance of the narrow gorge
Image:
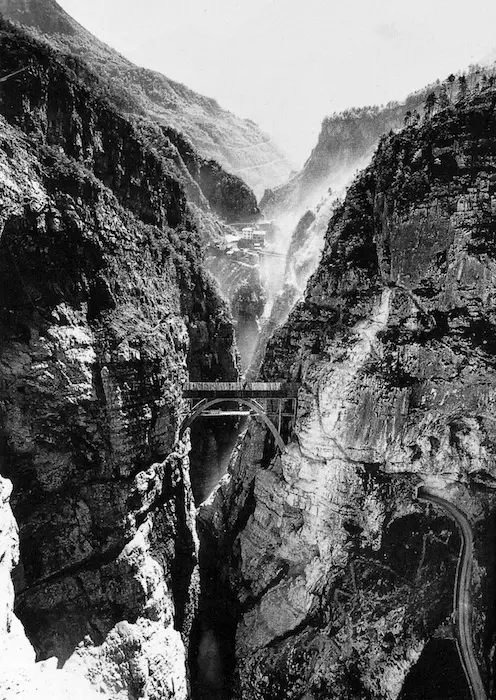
(155, 548)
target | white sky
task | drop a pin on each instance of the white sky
(288, 63)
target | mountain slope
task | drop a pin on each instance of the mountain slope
(237, 144)
(205, 184)
(348, 139)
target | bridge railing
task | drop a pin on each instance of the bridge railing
(233, 390)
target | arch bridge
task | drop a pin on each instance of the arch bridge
(248, 396)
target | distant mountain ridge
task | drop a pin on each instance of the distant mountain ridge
(347, 141)
(237, 144)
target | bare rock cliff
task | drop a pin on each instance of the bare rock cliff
(342, 578)
(14, 646)
(105, 309)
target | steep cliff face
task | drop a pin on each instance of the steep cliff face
(343, 579)
(13, 644)
(346, 143)
(237, 144)
(105, 309)
(152, 170)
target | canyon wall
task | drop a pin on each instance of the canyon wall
(106, 309)
(342, 579)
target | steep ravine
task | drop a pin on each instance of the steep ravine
(321, 574)
(342, 579)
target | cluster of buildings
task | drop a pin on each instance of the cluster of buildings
(253, 235)
(246, 238)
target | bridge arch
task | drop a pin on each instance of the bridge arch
(205, 404)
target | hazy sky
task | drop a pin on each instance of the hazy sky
(288, 63)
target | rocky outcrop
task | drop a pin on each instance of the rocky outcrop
(21, 677)
(105, 310)
(237, 144)
(343, 579)
(248, 306)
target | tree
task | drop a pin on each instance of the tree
(462, 87)
(430, 101)
(443, 99)
(451, 81)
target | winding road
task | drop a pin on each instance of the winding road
(461, 594)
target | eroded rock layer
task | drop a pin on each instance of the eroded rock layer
(341, 575)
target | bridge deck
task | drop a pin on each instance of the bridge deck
(242, 390)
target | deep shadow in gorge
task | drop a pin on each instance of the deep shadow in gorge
(437, 675)
(212, 443)
(212, 648)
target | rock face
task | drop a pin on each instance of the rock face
(302, 258)
(105, 309)
(237, 144)
(346, 143)
(14, 646)
(40, 102)
(227, 195)
(343, 579)
(21, 677)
